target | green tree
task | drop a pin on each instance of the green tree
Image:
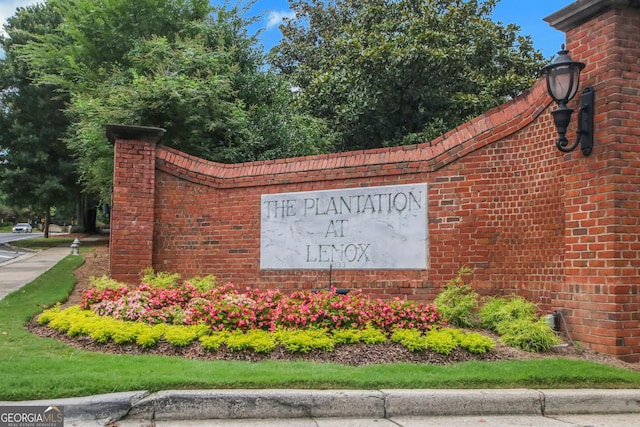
(390, 72)
(93, 36)
(36, 168)
(180, 65)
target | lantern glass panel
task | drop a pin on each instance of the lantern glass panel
(563, 82)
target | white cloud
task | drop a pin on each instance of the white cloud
(8, 9)
(275, 18)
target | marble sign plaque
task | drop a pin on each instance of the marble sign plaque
(357, 228)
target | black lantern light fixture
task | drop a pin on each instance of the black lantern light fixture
(563, 80)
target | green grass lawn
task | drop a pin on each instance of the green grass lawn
(32, 367)
(42, 243)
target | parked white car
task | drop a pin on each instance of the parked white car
(22, 227)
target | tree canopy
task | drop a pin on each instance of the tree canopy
(390, 72)
(177, 64)
(348, 74)
(36, 167)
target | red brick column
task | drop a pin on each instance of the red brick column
(132, 214)
(600, 295)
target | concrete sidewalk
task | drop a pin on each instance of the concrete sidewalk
(409, 408)
(21, 270)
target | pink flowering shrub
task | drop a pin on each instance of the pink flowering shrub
(94, 295)
(226, 308)
(396, 314)
(144, 303)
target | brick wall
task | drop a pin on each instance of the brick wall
(490, 199)
(600, 294)
(560, 229)
(131, 248)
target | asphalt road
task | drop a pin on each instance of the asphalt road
(8, 253)
(12, 237)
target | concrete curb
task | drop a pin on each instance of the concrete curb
(173, 405)
(103, 408)
(463, 402)
(234, 404)
(591, 401)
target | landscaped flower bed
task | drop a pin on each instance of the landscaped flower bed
(75, 321)
(162, 311)
(226, 308)
(255, 320)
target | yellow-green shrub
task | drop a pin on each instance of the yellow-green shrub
(80, 323)
(204, 284)
(440, 341)
(257, 340)
(161, 279)
(128, 332)
(346, 336)
(500, 309)
(181, 336)
(302, 341)
(150, 335)
(214, 341)
(47, 315)
(104, 282)
(368, 335)
(65, 318)
(457, 302)
(528, 335)
(371, 335)
(443, 341)
(103, 329)
(412, 339)
(476, 343)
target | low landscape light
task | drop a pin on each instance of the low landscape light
(563, 81)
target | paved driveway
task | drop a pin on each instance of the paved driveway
(23, 269)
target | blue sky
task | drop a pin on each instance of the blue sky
(527, 14)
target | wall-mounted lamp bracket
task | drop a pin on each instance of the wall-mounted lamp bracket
(585, 120)
(584, 134)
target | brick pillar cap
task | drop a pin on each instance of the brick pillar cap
(139, 133)
(582, 11)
